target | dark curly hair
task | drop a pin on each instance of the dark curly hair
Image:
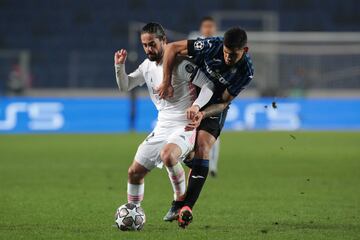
(154, 28)
(235, 38)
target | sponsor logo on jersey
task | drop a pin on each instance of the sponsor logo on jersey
(216, 75)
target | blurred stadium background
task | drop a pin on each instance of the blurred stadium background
(63, 49)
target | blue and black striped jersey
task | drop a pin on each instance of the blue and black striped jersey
(209, 57)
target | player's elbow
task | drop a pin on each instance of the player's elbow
(226, 104)
(171, 48)
(122, 87)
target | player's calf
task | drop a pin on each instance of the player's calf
(170, 155)
(135, 187)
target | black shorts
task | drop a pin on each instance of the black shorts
(214, 124)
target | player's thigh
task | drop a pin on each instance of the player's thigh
(148, 154)
(204, 142)
(184, 141)
(170, 154)
(208, 131)
(214, 125)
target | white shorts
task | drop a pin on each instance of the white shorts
(148, 153)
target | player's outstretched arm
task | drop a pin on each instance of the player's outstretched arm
(165, 89)
(126, 82)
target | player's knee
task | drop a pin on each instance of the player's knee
(131, 172)
(202, 150)
(167, 156)
(135, 175)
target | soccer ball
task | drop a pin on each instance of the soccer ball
(129, 217)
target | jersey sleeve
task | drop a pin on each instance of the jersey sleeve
(200, 79)
(199, 48)
(136, 78)
(235, 89)
(242, 81)
(127, 82)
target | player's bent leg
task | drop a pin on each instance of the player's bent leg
(170, 155)
(204, 143)
(198, 175)
(135, 187)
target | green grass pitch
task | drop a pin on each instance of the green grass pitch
(271, 185)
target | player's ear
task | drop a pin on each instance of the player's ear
(246, 49)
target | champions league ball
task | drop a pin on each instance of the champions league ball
(129, 217)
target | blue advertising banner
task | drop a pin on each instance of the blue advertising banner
(286, 114)
(107, 115)
(294, 114)
(146, 115)
(64, 115)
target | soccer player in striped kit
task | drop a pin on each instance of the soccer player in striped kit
(226, 62)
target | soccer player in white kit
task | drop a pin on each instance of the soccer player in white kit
(168, 142)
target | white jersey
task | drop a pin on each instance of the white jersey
(172, 120)
(171, 112)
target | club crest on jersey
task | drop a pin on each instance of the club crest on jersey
(189, 68)
(198, 45)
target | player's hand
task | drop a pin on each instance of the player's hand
(120, 56)
(192, 111)
(195, 123)
(165, 90)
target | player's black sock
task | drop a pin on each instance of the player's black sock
(200, 169)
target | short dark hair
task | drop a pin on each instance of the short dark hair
(154, 28)
(235, 37)
(207, 18)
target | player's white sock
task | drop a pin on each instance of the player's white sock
(135, 193)
(214, 156)
(177, 179)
